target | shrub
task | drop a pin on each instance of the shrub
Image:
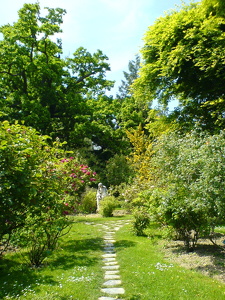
(39, 188)
(88, 202)
(141, 221)
(107, 205)
(189, 183)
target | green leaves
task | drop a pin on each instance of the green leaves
(184, 59)
(189, 174)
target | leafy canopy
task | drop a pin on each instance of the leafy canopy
(184, 59)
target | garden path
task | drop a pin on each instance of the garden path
(112, 287)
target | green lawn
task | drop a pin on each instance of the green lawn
(74, 271)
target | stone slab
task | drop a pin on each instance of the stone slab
(112, 282)
(113, 291)
(108, 259)
(111, 263)
(112, 272)
(112, 277)
(109, 255)
(111, 267)
(117, 228)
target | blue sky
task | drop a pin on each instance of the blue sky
(114, 26)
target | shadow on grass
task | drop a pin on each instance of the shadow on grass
(78, 253)
(122, 244)
(16, 277)
(206, 257)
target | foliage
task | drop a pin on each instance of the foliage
(118, 170)
(188, 183)
(107, 206)
(184, 59)
(88, 203)
(38, 188)
(133, 68)
(141, 221)
(61, 97)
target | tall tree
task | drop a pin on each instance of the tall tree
(130, 113)
(129, 77)
(184, 58)
(59, 97)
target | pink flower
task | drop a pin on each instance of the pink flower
(66, 204)
(83, 167)
(64, 160)
(92, 179)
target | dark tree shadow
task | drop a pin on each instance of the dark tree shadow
(204, 249)
(78, 253)
(15, 276)
(122, 244)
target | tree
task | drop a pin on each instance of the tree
(133, 68)
(41, 88)
(129, 112)
(184, 59)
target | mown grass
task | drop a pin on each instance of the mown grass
(72, 272)
(147, 275)
(75, 272)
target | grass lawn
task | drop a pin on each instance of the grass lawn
(74, 271)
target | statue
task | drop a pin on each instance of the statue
(101, 193)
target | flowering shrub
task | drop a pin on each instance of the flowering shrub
(38, 189)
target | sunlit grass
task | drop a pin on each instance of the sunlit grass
(75, 272)
(72, 272)
(147, 275)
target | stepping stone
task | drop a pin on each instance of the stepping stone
(109, 251)
(110, 241)
(109, 255)
(116, 267)
(109, 259)
(112, 282)
(113, 291)
(112, 277)
(111, 263)
(109, 247)
(111, 272)
(108, 244)
(117, 228)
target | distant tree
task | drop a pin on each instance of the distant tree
(133, 68)
(129, 112)
(184, 58)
